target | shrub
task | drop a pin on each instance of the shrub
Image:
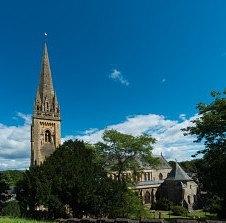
(162, 204)
(179, 211)
(11, 208)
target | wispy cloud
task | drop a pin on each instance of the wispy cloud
(163, 80)
(117, 76)
(182, 117)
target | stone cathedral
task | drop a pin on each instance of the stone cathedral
(46, 123)
(153, 182)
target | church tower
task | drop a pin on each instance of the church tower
(45, 127)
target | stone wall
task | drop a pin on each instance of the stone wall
(123, 220)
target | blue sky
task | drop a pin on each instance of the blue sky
(112, 59)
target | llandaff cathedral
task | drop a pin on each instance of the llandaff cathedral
(154, 182)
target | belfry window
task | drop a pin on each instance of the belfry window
(47, 106)
(47, 136)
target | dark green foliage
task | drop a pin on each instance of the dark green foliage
(162, 204)
(12, 176)
(3, 184)
(27, 190)
(11, 208)
(191, 166)
(213, 204)
(179, 211)
(73, 176)
(210, 127)
(3, 188)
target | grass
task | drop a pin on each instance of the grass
(18, 220)
(197, 214)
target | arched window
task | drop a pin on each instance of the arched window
(47, 136)
(189, 199)
(145, 176)
(140, 177)
(147, 198)
(160, 176)
(149, 178)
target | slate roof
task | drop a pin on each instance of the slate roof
(163, 164)
(149, 182)
(178, 174)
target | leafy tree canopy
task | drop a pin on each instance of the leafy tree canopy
(3, 187)
(122, 152)
(12, 176)
(3, 184)
(210, 127)
(72, 178)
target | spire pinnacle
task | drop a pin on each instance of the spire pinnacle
(46, 85)
(46, 101)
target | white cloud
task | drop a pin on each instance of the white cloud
(15, 140)
(170, 139)
(182, 117)
(117, 76)
(15, 144)
(163, 80)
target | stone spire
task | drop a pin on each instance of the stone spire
(46, 84)
(46, 103)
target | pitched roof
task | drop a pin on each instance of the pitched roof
(163, 164)
(178, 174)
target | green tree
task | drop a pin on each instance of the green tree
(73, 177)
(12, 176)
(3, 184)
(27, 191)
(122, 152)
(3, 187)
(210, 127)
